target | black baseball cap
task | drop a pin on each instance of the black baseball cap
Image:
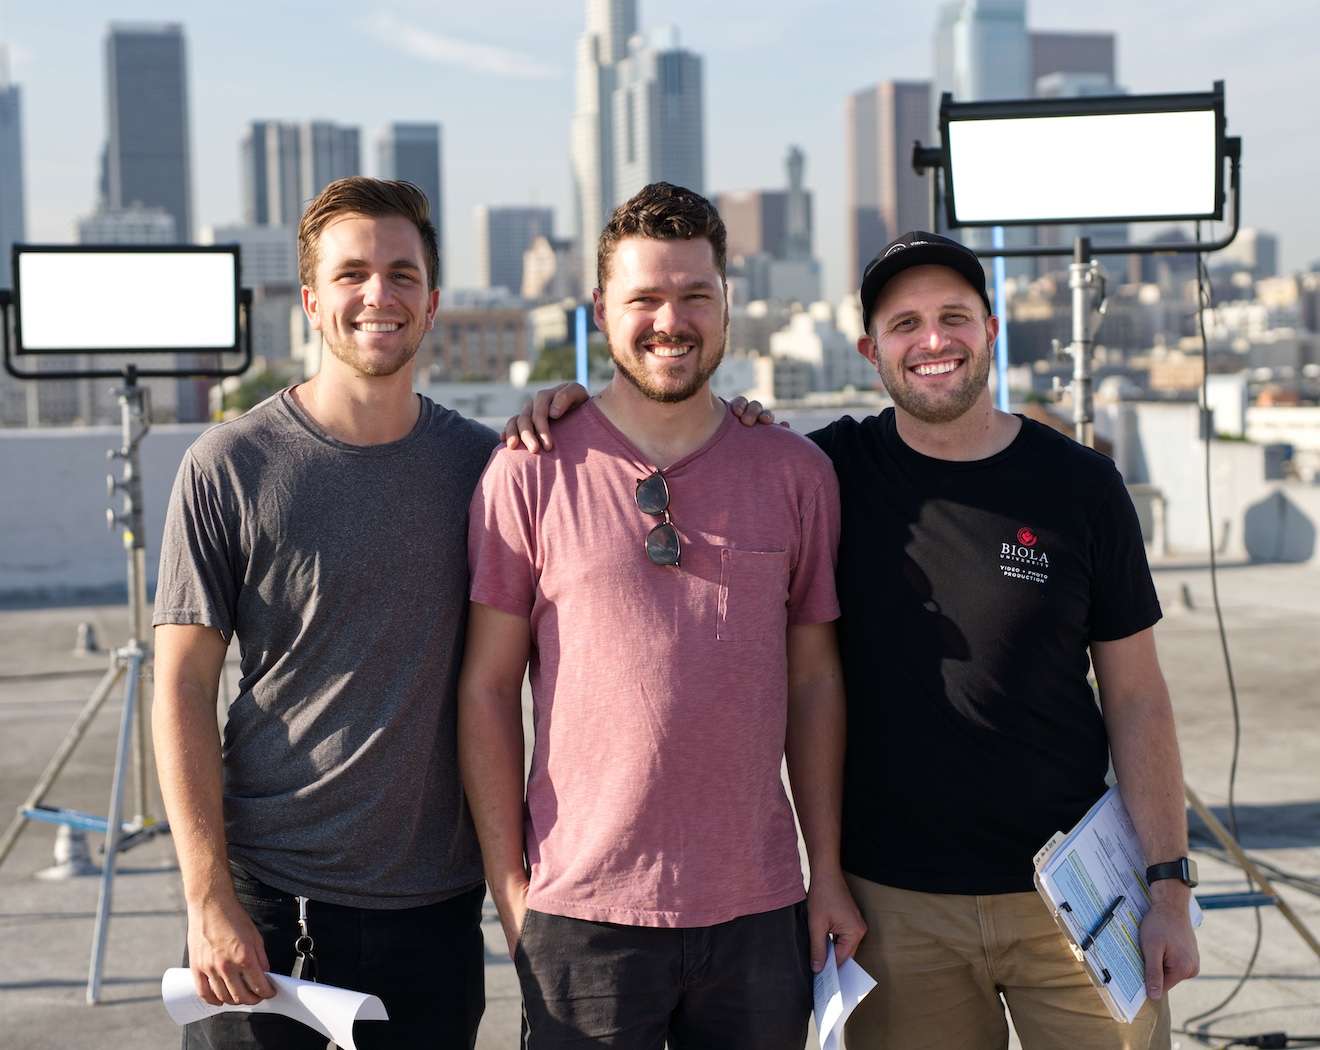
(919, 248)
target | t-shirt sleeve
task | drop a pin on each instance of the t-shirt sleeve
(197, 582)
(1123, 598)
(501, 541)
(811, 592)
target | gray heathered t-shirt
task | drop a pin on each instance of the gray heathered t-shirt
(343, 571)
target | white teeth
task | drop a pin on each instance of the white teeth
(936, 369)
(669, 351)
(378, 326)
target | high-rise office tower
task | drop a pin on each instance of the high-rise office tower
(413, 153)
(754, 221)
(885, 196)
(327, 152)
(272, 174)
(286, 164)
(797, 207)
(776, 223)
(610, 25)
(658, 126)
(982, 50)
(11, 169)
(1075, 54)
(503, 234)
(147, 159)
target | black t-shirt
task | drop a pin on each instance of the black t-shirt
(970, 594)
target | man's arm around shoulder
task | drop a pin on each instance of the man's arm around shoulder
(814, 749)
(490, 753)
(225, 951)
(1139, 722)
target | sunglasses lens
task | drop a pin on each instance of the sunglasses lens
(662, 544)
(652, 495)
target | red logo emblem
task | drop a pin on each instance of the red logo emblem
(1026, 537)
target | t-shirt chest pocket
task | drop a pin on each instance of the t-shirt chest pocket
(753, 595)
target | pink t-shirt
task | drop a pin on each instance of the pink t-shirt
(659, 693)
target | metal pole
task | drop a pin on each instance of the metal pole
(580, 345)
(1080, 282)
(133, 656)
(1001, 308)
(134, 425)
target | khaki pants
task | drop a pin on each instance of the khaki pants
(945, 965)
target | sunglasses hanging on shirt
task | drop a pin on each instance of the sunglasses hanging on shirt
(662, 546)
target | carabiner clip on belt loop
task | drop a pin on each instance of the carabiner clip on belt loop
(304, 966)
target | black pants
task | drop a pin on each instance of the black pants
(741, 985)
(426, 964)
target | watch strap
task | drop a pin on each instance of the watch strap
(1180, 869)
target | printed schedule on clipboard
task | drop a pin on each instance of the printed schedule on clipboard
(1093, 879)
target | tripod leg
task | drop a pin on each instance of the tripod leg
(61, 756)
(114, 823)
(1244, 862)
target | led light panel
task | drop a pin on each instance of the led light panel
(1117, 167)
(88, 301)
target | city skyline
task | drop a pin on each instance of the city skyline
(773, 78)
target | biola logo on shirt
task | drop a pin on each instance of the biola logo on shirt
(1020, 558)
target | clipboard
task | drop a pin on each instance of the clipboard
(1098, 867)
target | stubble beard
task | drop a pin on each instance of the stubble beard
(629, 365)
(350, 355)
(944, 408)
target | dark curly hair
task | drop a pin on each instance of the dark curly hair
(662, 212)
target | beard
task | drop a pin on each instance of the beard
(359, 362)
(630, 365)
(938, 408)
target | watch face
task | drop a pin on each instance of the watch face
(1189, 872)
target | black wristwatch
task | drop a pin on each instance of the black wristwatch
(1182, 869)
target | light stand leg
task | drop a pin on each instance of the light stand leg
(114, 820)
(61, 756)
(1244, 862)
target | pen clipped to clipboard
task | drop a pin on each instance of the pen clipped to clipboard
(1093, 880)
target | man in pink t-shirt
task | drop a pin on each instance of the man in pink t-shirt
(669, 574)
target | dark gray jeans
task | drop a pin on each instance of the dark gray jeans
(426, 964)
(740, 985)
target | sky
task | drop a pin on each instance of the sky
(498, 75)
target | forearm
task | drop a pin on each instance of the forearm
(814, 750)
(491, 762)
(187, 746)
(1144, 746)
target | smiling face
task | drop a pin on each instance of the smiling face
(931, 341)
(664, 313)
(371, 303)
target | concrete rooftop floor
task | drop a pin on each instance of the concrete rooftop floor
(1273, 618)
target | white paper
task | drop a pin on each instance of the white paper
(330, 1010)
(837, 991)
(1095, 863)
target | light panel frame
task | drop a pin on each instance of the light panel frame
(966, 113)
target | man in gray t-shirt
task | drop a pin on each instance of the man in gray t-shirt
(326, 528)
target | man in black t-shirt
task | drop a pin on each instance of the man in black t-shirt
(986, 563)
(984, 558)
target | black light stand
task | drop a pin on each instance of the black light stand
(130, 662)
